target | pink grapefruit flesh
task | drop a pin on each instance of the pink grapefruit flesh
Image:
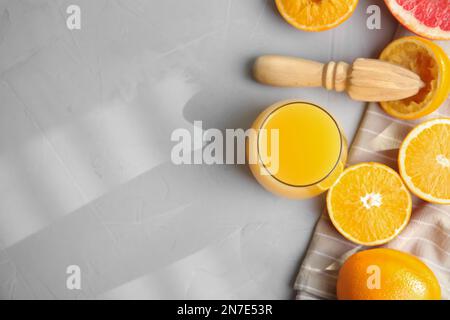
(428, 18)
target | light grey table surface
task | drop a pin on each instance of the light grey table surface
(85, 123)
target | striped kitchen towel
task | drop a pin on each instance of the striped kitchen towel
(427, 236)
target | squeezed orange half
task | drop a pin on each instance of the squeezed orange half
(305, 157)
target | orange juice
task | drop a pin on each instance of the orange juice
(311, 149)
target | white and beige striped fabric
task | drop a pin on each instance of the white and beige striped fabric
(427, 235)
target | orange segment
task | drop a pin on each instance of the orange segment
(369, 204)
(316, 15)
(431, 63)
(424, 161)
(386, 274)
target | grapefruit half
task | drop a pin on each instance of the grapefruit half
(428, 18)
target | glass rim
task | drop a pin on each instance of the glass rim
(341, 143)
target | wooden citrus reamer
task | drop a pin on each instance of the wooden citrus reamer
(364, 80)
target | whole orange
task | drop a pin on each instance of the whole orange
(386, 274)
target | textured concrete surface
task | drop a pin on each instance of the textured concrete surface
(85, 123)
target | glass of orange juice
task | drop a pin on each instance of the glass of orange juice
(298, 150)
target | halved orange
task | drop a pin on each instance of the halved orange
(424, 161)
(431, 63)
(369, 204)
(316, 15)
